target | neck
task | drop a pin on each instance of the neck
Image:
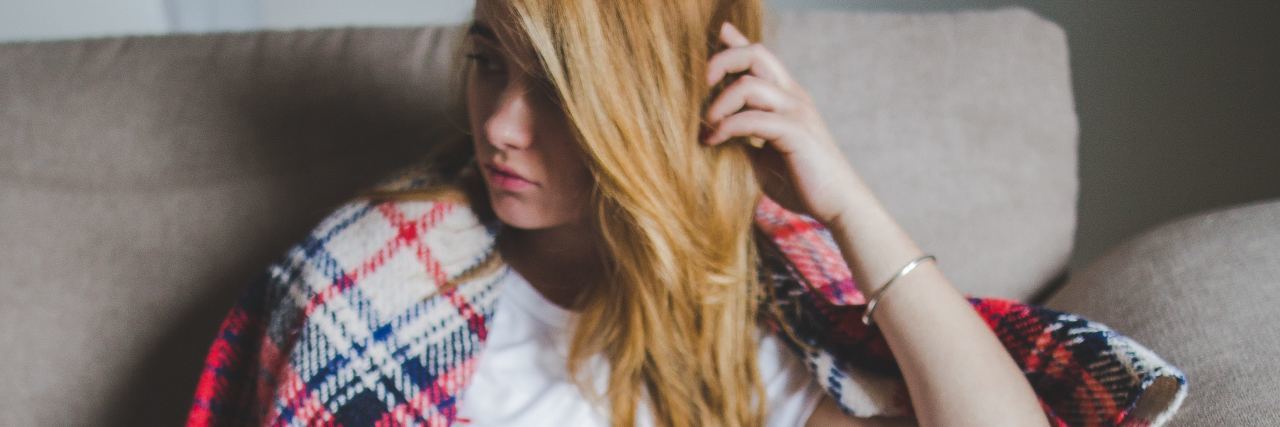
(558, 261)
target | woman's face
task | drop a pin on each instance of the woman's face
(517, 127)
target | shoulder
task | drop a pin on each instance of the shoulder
(421, 184)
(377, 264)
(412, 223)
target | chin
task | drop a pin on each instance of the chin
(517, 213)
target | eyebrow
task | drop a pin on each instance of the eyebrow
(482, 30)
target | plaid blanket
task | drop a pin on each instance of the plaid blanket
(378, 317)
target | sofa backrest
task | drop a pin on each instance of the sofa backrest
(145, 179)
(964, 126)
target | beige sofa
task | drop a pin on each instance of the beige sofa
(144, 180)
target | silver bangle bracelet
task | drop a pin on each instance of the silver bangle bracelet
(875, 296)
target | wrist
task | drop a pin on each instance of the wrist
(873, 244)
(854, 199)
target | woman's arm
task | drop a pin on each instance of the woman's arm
(957, 372)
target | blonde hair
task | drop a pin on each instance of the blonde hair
(676, 316)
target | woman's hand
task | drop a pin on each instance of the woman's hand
(800, 165)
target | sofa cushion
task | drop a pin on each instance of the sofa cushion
(1202, 292)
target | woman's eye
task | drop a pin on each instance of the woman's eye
(482, 61)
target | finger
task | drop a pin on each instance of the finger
(766, 59)
(753, 59)
(771, 127)
(731, 37)
(748, 92)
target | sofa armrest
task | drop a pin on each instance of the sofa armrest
(1201, 291)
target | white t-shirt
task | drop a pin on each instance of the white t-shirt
(521, 377)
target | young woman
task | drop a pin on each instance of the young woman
(587, 115)
(624, 147)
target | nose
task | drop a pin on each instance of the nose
(511, 123)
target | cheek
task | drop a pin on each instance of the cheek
(477, 105)
(561, 200)
(569, 182)
(565, 160)
(578, 179)
(574, 185)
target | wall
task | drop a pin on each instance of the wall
(1179, 106)
(62, 19)
(56, 19)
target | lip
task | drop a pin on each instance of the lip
(506, 178)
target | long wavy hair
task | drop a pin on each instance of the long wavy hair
(676, 318)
